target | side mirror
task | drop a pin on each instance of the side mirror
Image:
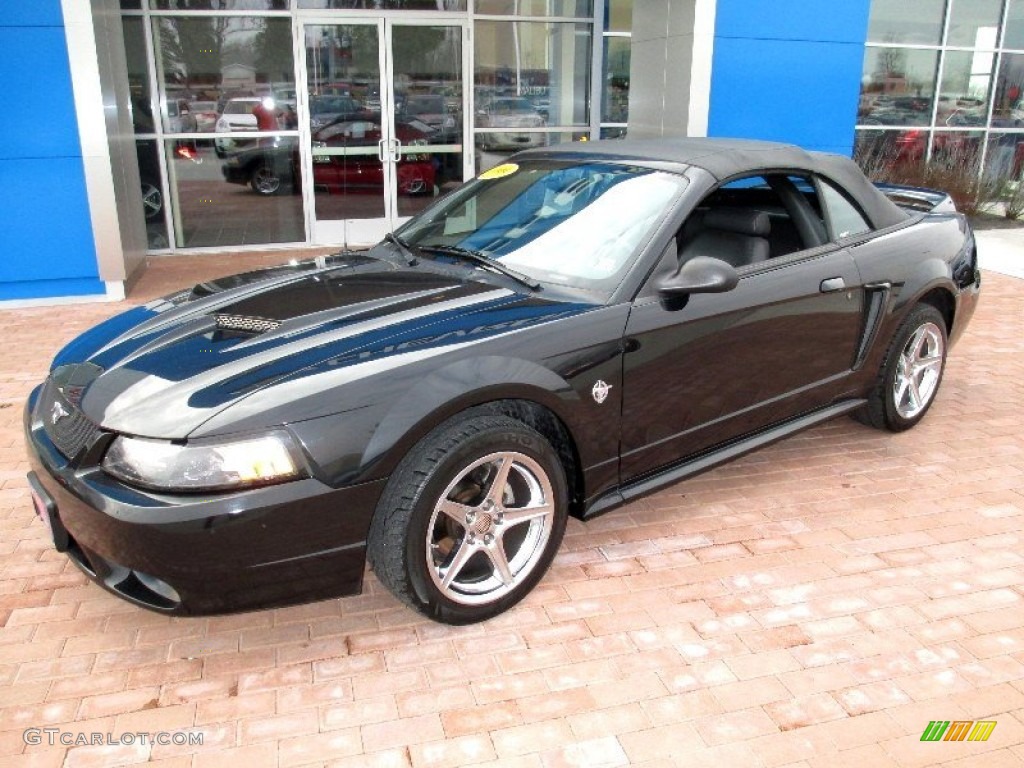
(701, 274)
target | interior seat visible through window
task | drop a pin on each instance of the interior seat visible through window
(781, 209)
(733, 235)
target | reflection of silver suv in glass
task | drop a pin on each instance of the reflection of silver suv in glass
(237, 116)
(509, 112)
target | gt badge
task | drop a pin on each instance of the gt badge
(58, 412)
(600, 391)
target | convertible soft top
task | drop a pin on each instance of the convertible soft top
(725, 158)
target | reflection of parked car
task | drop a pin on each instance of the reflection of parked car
(327, 109)
(431, 110)
(179, 117)
(149, 175)
(205, 113)
(238, 116)
(272, 167)
(514, 112)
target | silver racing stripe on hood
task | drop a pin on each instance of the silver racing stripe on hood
(124, 404)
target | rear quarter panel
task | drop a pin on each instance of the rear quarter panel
(933, 251)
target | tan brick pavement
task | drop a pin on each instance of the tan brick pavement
(814, 604)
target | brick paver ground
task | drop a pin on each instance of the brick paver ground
(813, 604)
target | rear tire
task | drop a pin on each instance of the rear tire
(911, 374)
(471, 519)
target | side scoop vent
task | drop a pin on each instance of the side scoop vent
(245, 324)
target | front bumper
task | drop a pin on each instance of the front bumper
(234, 174)
(201, 554)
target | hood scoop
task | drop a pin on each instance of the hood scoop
(245, 323)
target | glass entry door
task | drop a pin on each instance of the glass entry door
(383, 121)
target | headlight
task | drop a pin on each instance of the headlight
(242, 463)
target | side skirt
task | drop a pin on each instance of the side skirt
(694, 466)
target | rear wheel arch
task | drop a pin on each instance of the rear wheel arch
(942, 299)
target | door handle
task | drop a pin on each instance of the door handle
(380, 150)
(832, 284)
(395, 150)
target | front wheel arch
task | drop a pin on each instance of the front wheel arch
(458, 387)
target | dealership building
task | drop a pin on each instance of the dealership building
(146, 127)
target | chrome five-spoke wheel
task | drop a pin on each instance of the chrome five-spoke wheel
(911, 373)
(918, 370)
(490, 528)
(471, 518)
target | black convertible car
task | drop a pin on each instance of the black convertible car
(570, 330)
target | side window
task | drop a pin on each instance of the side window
(754, 219)
(844, 218)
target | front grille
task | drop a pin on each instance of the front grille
(66, 426)
(245, 323)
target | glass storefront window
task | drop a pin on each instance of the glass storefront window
(958, 152)
(250, 196)
(1008, 110)
(613, 133)
(618, 15)
(569, 8)
(219, 5)
(1013, 35)
(897, 87)
(494, 149)
(879, 152)
(615, 94)
(138, 74)
(385, 5)
(217, 59)
(975, 23)
(153, 202)
(1004, 159)
(963, 98)
(531, 74)
(916, 22)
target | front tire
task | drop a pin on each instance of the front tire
(911, 374)
(471, 519)
(265, 181)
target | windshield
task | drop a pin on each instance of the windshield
(240, 107)
(329, 105)
(565, 222)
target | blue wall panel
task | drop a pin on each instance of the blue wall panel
(38, 121)
(30, 13)
(46, 237)
(820, 20)
(788, 70)
(46, 220)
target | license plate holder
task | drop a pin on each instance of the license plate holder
(46, 510)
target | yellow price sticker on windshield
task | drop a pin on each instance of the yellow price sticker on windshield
(499, 171)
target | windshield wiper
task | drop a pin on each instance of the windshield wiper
(404, 248)
(479, 259)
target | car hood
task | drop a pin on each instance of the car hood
(164, 369)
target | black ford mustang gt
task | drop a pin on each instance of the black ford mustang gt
(570, 330)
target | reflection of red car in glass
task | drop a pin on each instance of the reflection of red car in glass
(272, 167)
(360, 168)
